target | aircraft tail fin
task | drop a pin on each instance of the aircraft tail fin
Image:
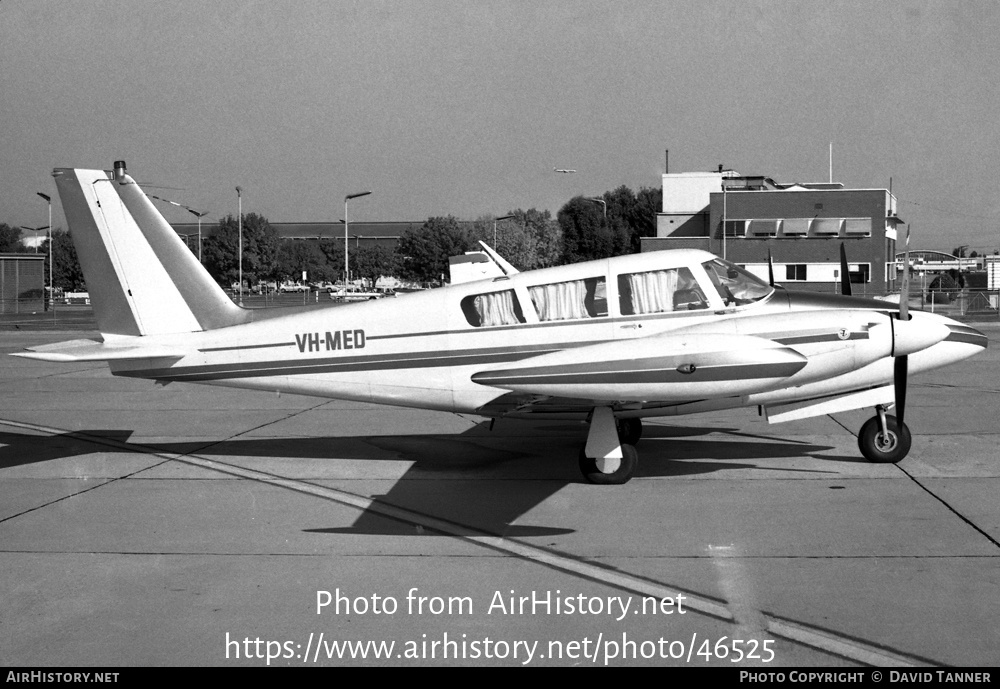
(141, 277)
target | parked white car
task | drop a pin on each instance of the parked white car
(354, 294)
(293, 287)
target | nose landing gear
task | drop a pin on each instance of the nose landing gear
(883, 440)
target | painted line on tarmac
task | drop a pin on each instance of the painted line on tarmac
(823, 640)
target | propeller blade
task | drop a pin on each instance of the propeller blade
(901, 363)
(770, 268)
(845, 276)
(904, 287)
(899, 379)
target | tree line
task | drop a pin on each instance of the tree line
(584, 229)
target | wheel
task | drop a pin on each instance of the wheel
(884, 449)
(610, 472)
(629, 430)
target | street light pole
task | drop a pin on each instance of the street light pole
(346, 271)
(239, 222)
(723, 218)
(48, 200)
(201, 215)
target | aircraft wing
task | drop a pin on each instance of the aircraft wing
(673, 367)
(94, 350)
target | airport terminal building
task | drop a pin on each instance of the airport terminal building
(801, 225)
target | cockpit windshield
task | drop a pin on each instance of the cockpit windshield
(736, 286)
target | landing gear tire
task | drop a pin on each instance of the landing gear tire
(884, 448)
(629, 430)
(609, 472)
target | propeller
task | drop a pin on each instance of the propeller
(845, 275)
(901, 363)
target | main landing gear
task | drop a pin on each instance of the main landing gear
(609, 457)
(883, 439)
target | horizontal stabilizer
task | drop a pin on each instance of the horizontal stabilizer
(93, 350)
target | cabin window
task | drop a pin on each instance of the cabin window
(563, 301)
(735, 285)
(496, 308)
(659, 291)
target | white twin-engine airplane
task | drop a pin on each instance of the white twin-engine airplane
(612, 341)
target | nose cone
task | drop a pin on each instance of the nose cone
(917, 334)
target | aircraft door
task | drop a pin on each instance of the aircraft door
(656, 292)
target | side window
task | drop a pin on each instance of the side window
(735, 285)
(563, 301)
(496, 308)
(659, 291)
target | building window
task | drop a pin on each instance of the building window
(795, 227)
(496, 308)
(858, 227)
(860, 274)
(763, 228)
(659, 291)
(736, 228)
(563, 301)
(795, 271)
(891, 272)
(827, 226)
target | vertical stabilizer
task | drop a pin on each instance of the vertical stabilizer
(141, 277)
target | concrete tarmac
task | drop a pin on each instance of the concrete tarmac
(199, 526)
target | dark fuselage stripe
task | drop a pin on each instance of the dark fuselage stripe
(668, 375)
(240, 347)
(811, 339)
(326, 365)
(974, 337)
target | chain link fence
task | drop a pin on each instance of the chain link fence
(967, 304)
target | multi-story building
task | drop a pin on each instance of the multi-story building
(802, 226)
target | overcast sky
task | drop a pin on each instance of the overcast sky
(458, 107)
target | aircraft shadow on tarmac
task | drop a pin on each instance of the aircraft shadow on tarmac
(475, 479)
